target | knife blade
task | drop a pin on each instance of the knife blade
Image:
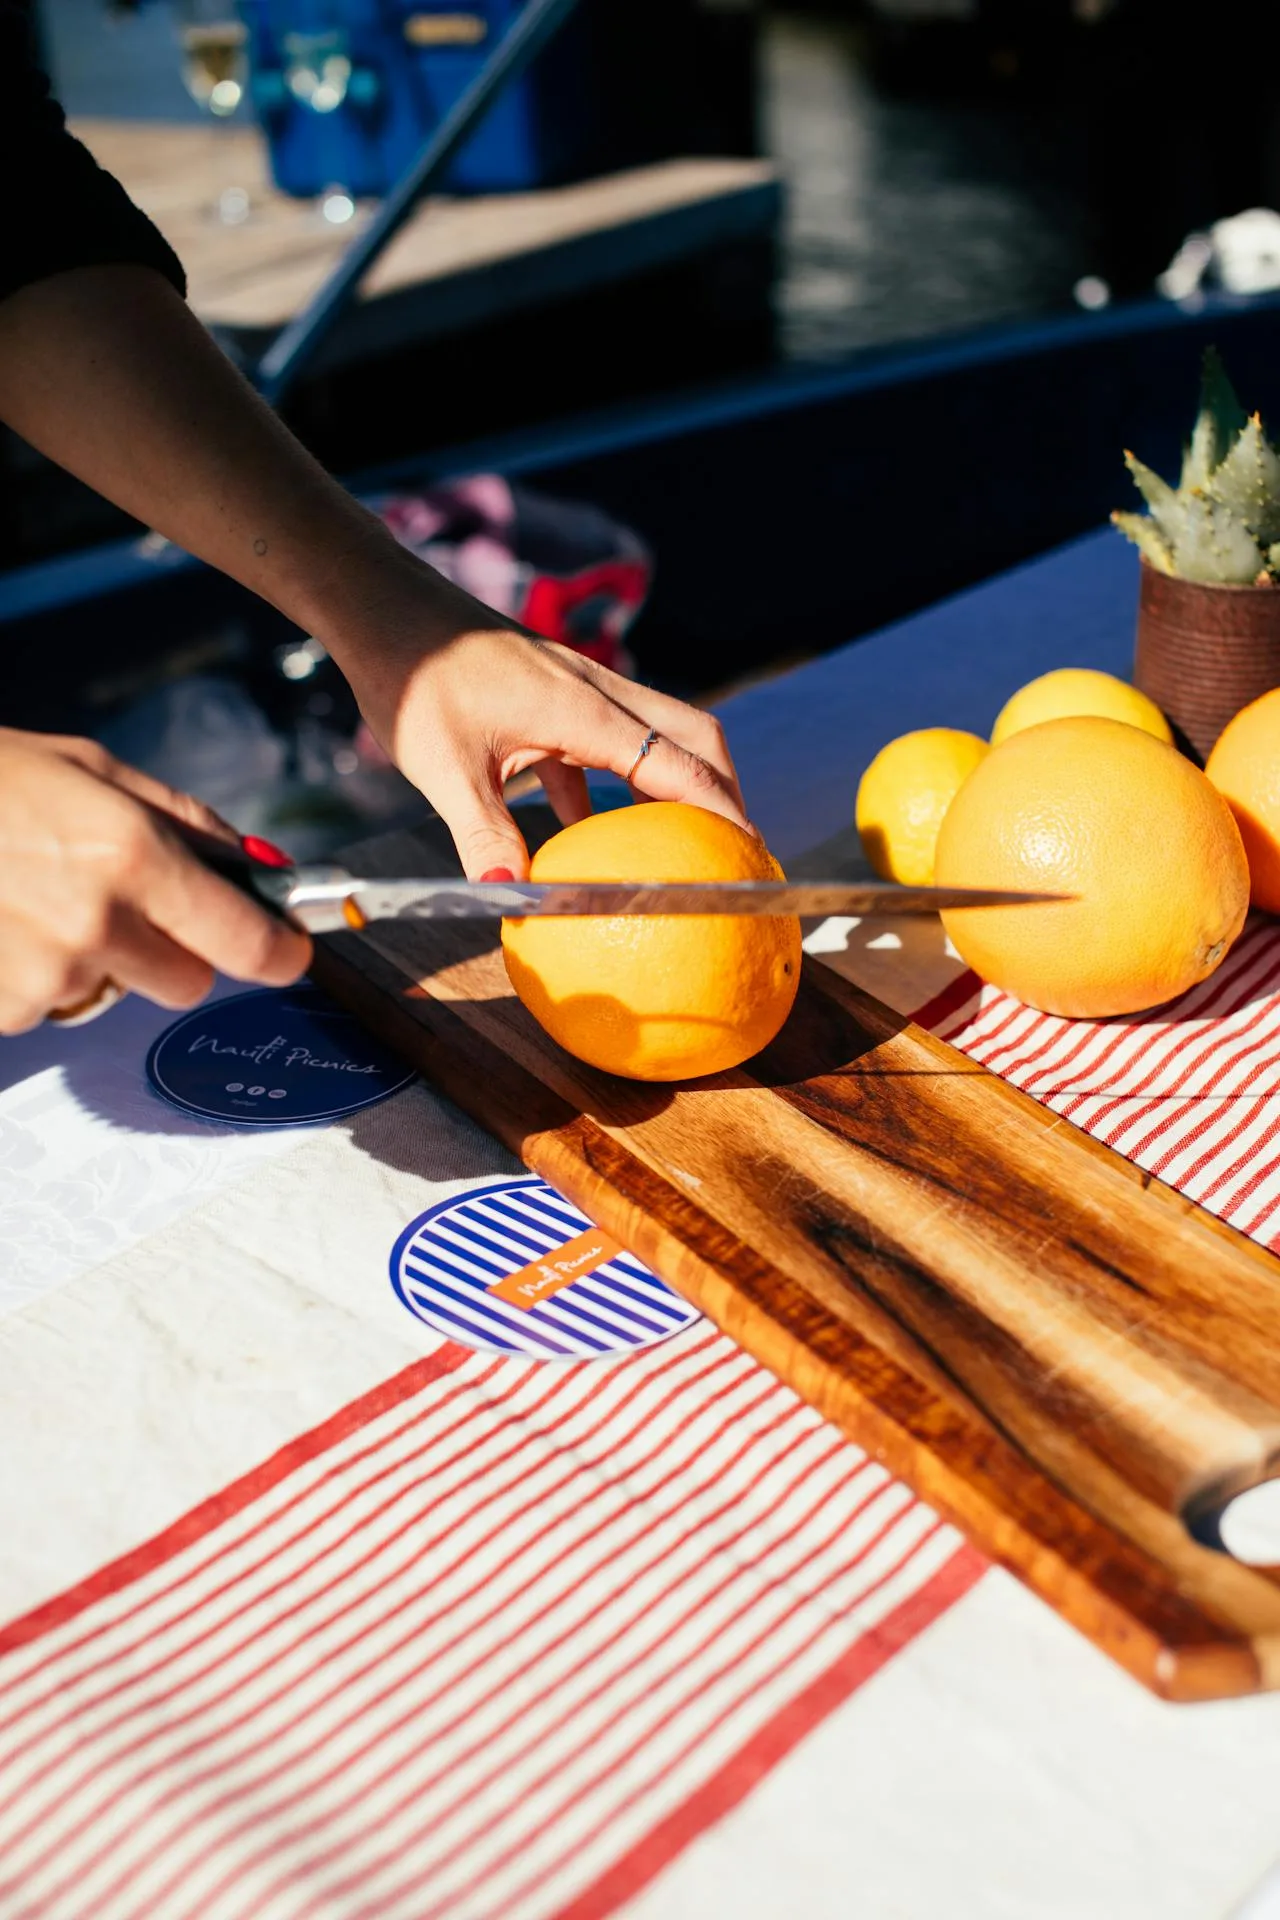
(325, 899)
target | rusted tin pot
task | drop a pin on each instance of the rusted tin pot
(1205, 651)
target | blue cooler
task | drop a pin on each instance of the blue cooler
(347, 91)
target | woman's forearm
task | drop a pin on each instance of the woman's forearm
(106, 371)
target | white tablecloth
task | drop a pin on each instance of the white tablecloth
(179, 1303)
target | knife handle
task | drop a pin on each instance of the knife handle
(255, 866)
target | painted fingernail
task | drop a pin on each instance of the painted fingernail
(498, 873)
(264, 853)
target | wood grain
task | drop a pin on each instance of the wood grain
(1059, 1353)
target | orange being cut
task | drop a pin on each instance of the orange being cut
(666, 997)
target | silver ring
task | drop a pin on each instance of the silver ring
(649, 740)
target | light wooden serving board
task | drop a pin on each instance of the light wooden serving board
(1059, 1353)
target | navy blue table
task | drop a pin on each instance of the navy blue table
(801, 742)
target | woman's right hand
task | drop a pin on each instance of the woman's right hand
(94, 887)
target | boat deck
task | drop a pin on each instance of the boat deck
(458, 263)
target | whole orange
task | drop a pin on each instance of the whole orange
(1245, 768)
(1105, 812)
(664, 997)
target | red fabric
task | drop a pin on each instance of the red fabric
(1188, 1091)
(563, 569)
(736, 1779)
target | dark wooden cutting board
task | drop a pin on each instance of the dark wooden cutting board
(1059, 1353)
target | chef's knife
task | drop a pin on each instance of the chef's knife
(326, 898)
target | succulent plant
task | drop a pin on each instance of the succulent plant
(1221, 523)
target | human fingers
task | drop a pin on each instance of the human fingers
(85, 865)
(692, 728)
(208, 917)
(43, 979)
(40, 972)
(135, 958)
(566, 790)
(470, 803)
(593, 730)
(96, 760)
(141, 959)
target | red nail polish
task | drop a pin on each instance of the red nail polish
(264, 853)
(498, 873)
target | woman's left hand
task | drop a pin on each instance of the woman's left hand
(463, 712)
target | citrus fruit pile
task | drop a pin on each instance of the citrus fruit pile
(661, 997)
(1082, 792)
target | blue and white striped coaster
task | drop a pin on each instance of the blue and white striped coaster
(514, 1267)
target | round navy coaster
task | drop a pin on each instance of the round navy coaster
(272, 1058)
(513, 1267)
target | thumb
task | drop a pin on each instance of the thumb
(485, 835)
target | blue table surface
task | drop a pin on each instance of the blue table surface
(801, 742)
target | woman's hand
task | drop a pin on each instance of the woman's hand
(94, 887)
(105, 370)
(462, 701)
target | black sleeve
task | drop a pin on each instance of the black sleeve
(63, 209)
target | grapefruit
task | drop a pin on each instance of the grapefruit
(1103, 811)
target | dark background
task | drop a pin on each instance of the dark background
(946, 180)
(942, 175)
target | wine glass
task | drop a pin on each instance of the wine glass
(319, 73)
(215, 71)
(317, 68)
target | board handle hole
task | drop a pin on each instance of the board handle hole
(1245, 1527)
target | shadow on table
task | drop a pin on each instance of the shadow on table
(419, 1132)
(411, 1131)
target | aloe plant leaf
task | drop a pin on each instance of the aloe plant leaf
(1218, 424)
(1166, 508)
(1147, 538)
(1248, 482)
(1215, 546)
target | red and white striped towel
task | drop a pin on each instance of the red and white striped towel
(500, 1638)
(1190, 1092)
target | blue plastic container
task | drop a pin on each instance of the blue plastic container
(347, 91)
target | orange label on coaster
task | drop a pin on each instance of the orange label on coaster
(568, 1263)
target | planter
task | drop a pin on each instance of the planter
(1205, 651)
